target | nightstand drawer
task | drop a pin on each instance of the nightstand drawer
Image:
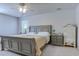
(57, 40)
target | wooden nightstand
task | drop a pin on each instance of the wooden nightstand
(57, 39)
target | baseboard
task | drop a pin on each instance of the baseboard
(68, 46)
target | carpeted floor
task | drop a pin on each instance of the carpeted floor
(8, 53)
(60, 51)
(50, 51)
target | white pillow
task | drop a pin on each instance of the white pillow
(44, 33)
(30, 33)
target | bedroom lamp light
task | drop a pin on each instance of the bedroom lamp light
(22, 7)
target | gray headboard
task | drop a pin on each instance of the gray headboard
(41, 28)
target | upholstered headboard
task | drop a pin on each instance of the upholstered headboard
(41, 28)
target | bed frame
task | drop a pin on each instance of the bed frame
(24, 46)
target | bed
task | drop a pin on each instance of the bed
(28, 44)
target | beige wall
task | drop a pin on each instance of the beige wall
(57, 19)
(77, 21)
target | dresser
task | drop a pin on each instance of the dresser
(57, 39)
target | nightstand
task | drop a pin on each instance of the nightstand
(57, 39)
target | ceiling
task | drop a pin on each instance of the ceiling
(34, 8)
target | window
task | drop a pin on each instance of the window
(24, 26)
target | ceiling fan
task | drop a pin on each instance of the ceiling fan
(22, 7)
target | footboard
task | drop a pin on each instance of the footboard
(25, 46)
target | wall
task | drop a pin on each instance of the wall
(8, 25)
(77, 22)
(57, 19)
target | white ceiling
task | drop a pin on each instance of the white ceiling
(34, 8)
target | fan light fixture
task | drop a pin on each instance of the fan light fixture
(22, 7)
